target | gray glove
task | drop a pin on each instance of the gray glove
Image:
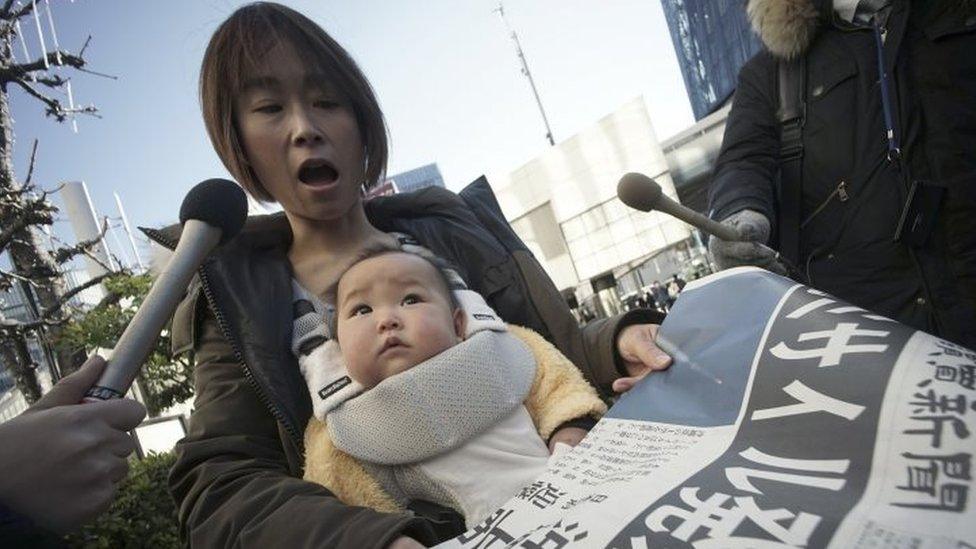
(754, 227)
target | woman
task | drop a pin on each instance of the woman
(296, 122)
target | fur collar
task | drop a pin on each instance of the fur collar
(787, 27)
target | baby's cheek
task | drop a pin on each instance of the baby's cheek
(359, 368)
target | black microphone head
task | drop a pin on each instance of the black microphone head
(219, 203)
(639, 191)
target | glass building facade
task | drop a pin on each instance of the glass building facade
(563, 205)
(418, 178)
(712, 39)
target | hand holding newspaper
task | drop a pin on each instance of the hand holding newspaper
(789, 419)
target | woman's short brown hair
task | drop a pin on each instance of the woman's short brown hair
(234, 55)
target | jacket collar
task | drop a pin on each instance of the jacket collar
(788, 27)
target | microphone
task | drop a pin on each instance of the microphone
(212, 213)
(642, 193)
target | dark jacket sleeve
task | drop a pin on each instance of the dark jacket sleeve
(600, 342)
(231, 480)
(593, 348)
(17, 530)
(746, 169)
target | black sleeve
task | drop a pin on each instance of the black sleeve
(747, 164)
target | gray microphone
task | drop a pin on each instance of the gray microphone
(642, 193)
(212, 213)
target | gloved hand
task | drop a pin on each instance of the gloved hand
(62, 459)
(755, 228)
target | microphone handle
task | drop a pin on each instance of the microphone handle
(698, 220)
(139, 337)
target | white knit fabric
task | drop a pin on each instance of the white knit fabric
(319, 358)
(438, 404)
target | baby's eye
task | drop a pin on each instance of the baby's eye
(411, 299)
(360, 310)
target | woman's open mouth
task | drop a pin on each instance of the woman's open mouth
(317, 173)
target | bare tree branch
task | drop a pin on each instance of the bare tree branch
(52, 82)
(81, 53)
(24, 10)
(62, 255)
(21, 222)
(54, 107)
(30, 167)
(17, 328)
(15, 276)
(96, 73)
(5, 10)
(36, 211)
(87, 253)
(64, 299)
(58, 58)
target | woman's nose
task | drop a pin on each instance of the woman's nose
(305, 130)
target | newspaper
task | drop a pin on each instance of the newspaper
(788, 419)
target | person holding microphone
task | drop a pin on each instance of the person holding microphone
(62, 459)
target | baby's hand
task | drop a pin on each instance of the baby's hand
(570, 436)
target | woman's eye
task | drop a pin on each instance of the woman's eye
(326, 104)
(270, 108)
(411, 299)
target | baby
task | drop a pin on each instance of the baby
(427, 395)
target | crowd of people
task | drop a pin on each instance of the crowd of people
(658, 295)
(879, 130)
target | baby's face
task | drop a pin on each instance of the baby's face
(393, 312)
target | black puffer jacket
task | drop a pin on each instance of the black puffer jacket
(237, 479)
(852, 195)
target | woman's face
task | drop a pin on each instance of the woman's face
(301, 139)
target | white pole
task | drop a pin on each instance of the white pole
(23, 44)
(81, 213)
(118, 246)
(54, 35)
(40, 34)
(71, 105)
(128, 231)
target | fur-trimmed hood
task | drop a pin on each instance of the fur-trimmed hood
(787, 27)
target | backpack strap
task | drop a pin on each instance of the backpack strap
(791, 115)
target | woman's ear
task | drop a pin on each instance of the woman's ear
(460, 323)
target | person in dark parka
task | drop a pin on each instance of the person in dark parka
(854, 179)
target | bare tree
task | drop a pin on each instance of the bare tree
(24, 209)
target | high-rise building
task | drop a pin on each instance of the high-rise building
(712, 39)
(418, 178)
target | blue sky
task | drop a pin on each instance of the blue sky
(445, 72)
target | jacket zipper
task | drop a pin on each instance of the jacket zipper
(840, 192)
(235, 347)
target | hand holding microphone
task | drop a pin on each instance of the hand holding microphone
(750, 250)
(62, 459)
(212, 213)
(739, 240)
